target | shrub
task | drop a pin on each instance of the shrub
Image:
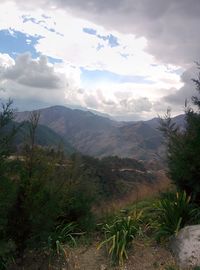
(63, 234)
(119, 235)
(7, 250)
(173, 212)
(79, 207)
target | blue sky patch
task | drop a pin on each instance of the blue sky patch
(90, 76)
(90, 31)
(17, 43)
(31, 19)
(53, 60)
(112, 40)
(41, 23)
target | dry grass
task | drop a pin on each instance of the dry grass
(140, 191)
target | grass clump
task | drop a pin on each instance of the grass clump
(172, 212)
(119, 236)
(63, 234)
(59, 241)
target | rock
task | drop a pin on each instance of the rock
(103, 267)
(186, 247)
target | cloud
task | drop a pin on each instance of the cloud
(171, 27)
(46, 84)
(188, 90)
(146, 38)
(114, 104)
(34, 81)
(61, 35)
(33, 73)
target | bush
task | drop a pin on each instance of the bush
(173, 212)
(63, 234)
(7, 251)
(79, 208)
(119, 235)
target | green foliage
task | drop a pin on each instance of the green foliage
(173, 212)
(196, 268)
(39, 192)
(113, 176)
(79, 206)
(43, 194)
(183, 147)
(7, 251)
(117, 163)
(119, 235)
(7, 187)
(6, 117)
(46, 198)
(63, 234)
(171, 267)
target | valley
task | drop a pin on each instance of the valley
(99, 136)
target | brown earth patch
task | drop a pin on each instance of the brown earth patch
(143, 255)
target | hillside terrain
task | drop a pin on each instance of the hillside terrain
(45, 137)
(83, 202)
(99, 136)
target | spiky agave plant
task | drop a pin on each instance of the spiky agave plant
(118, 237)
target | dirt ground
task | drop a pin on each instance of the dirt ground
(141, 256)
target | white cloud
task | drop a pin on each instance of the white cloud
(33, 80)
(69, 43)
(33, 73)
(63, 37)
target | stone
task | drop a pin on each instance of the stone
(103, 267)
(186, 247)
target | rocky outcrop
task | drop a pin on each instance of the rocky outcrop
(186, 247)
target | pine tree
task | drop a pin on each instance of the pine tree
(183, 148)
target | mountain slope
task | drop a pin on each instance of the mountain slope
(45, 137)
(100, 136)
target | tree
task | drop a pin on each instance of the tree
(6, 134)
(7, 187)
(183, 148)
(30, 148)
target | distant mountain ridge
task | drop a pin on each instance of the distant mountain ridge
(100, 136)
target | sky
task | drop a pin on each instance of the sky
(131, 59)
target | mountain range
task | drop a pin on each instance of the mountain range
(45, 137)
(99, 136)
